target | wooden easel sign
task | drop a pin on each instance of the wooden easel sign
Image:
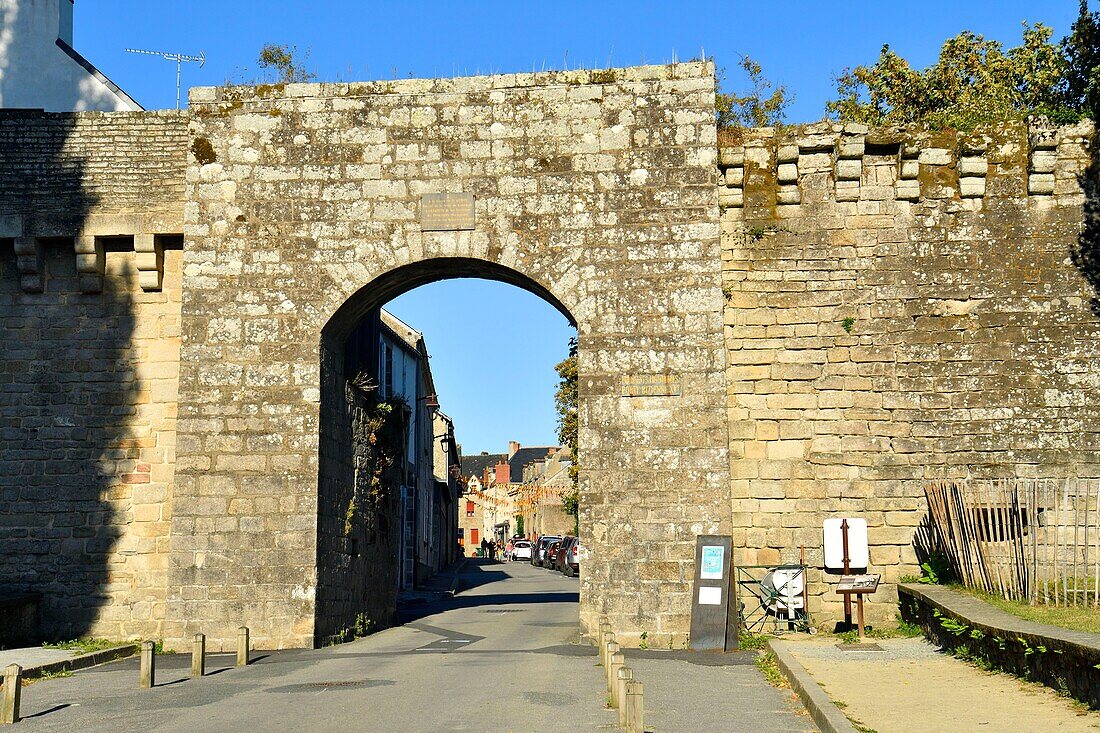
(858, 586)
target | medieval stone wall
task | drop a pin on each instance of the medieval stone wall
(89, 358)
(899, 305)
(595, 190)
(902, 305)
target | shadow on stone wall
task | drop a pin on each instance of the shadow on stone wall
(68, 396)
(1086, 255)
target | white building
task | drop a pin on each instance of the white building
(39, 69)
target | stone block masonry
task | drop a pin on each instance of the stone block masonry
(595, 190)
(89, 358)
(825, 316)
(916, 316)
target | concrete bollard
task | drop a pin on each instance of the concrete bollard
(148, 664)
(617, 662)
(635, 720)
(198, 655)
(242, 646)
(624, 676)
(9, 695)
(605, 630)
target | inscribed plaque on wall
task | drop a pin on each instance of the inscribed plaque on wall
(445, 212)
(650, 385)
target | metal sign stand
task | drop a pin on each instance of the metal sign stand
(848, 571)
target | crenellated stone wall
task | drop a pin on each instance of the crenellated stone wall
(898, 305)
(902, 305)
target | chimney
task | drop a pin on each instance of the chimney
(503, 473)
(513, 448)
(65, 21)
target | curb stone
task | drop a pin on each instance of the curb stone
(82, 661)
(826, 715)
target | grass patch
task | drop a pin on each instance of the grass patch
(1077, 618)
(903, 630)
(82, 646)
(748, 641)
(769, 667)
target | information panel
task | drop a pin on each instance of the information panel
(713, 610)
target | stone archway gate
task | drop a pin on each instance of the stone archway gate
(594, 188)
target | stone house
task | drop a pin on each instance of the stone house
(544, 482)
(444, 546)
(405, 373)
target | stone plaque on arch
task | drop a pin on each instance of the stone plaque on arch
(446, 212)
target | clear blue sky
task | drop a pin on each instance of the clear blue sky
(800, 43)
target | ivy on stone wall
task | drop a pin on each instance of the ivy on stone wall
(381, 430)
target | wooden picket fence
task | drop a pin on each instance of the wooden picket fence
(1021, 539)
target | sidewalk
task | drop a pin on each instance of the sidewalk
(909, 687)
(690, 692)
(34, 656)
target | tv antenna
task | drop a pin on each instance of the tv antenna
(179, 58)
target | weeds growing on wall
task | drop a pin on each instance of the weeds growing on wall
(763, 105)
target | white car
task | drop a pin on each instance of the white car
(521, 550)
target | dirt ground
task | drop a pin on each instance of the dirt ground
(910, 687)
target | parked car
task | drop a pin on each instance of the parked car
(539, 551)
(521, 550)
(548, 556)
(561, 553)
(572, 564)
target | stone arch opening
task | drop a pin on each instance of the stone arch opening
(374, 537)
(595, 189)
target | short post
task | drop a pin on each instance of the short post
(148, 664)
(618, 661)
(9, 701)
(859, 605)
(624, 676)
(635, 720)
(242, 646)
(608, 649)
(198, 655)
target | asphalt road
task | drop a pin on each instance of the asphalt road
(503, 655)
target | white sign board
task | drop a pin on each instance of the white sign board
(710, 596)
(857, 544)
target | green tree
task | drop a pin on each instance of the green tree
(764, 105)
(974, 81)
(1082, 51)
(519, 524)
(565, 400)
(280, 59)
